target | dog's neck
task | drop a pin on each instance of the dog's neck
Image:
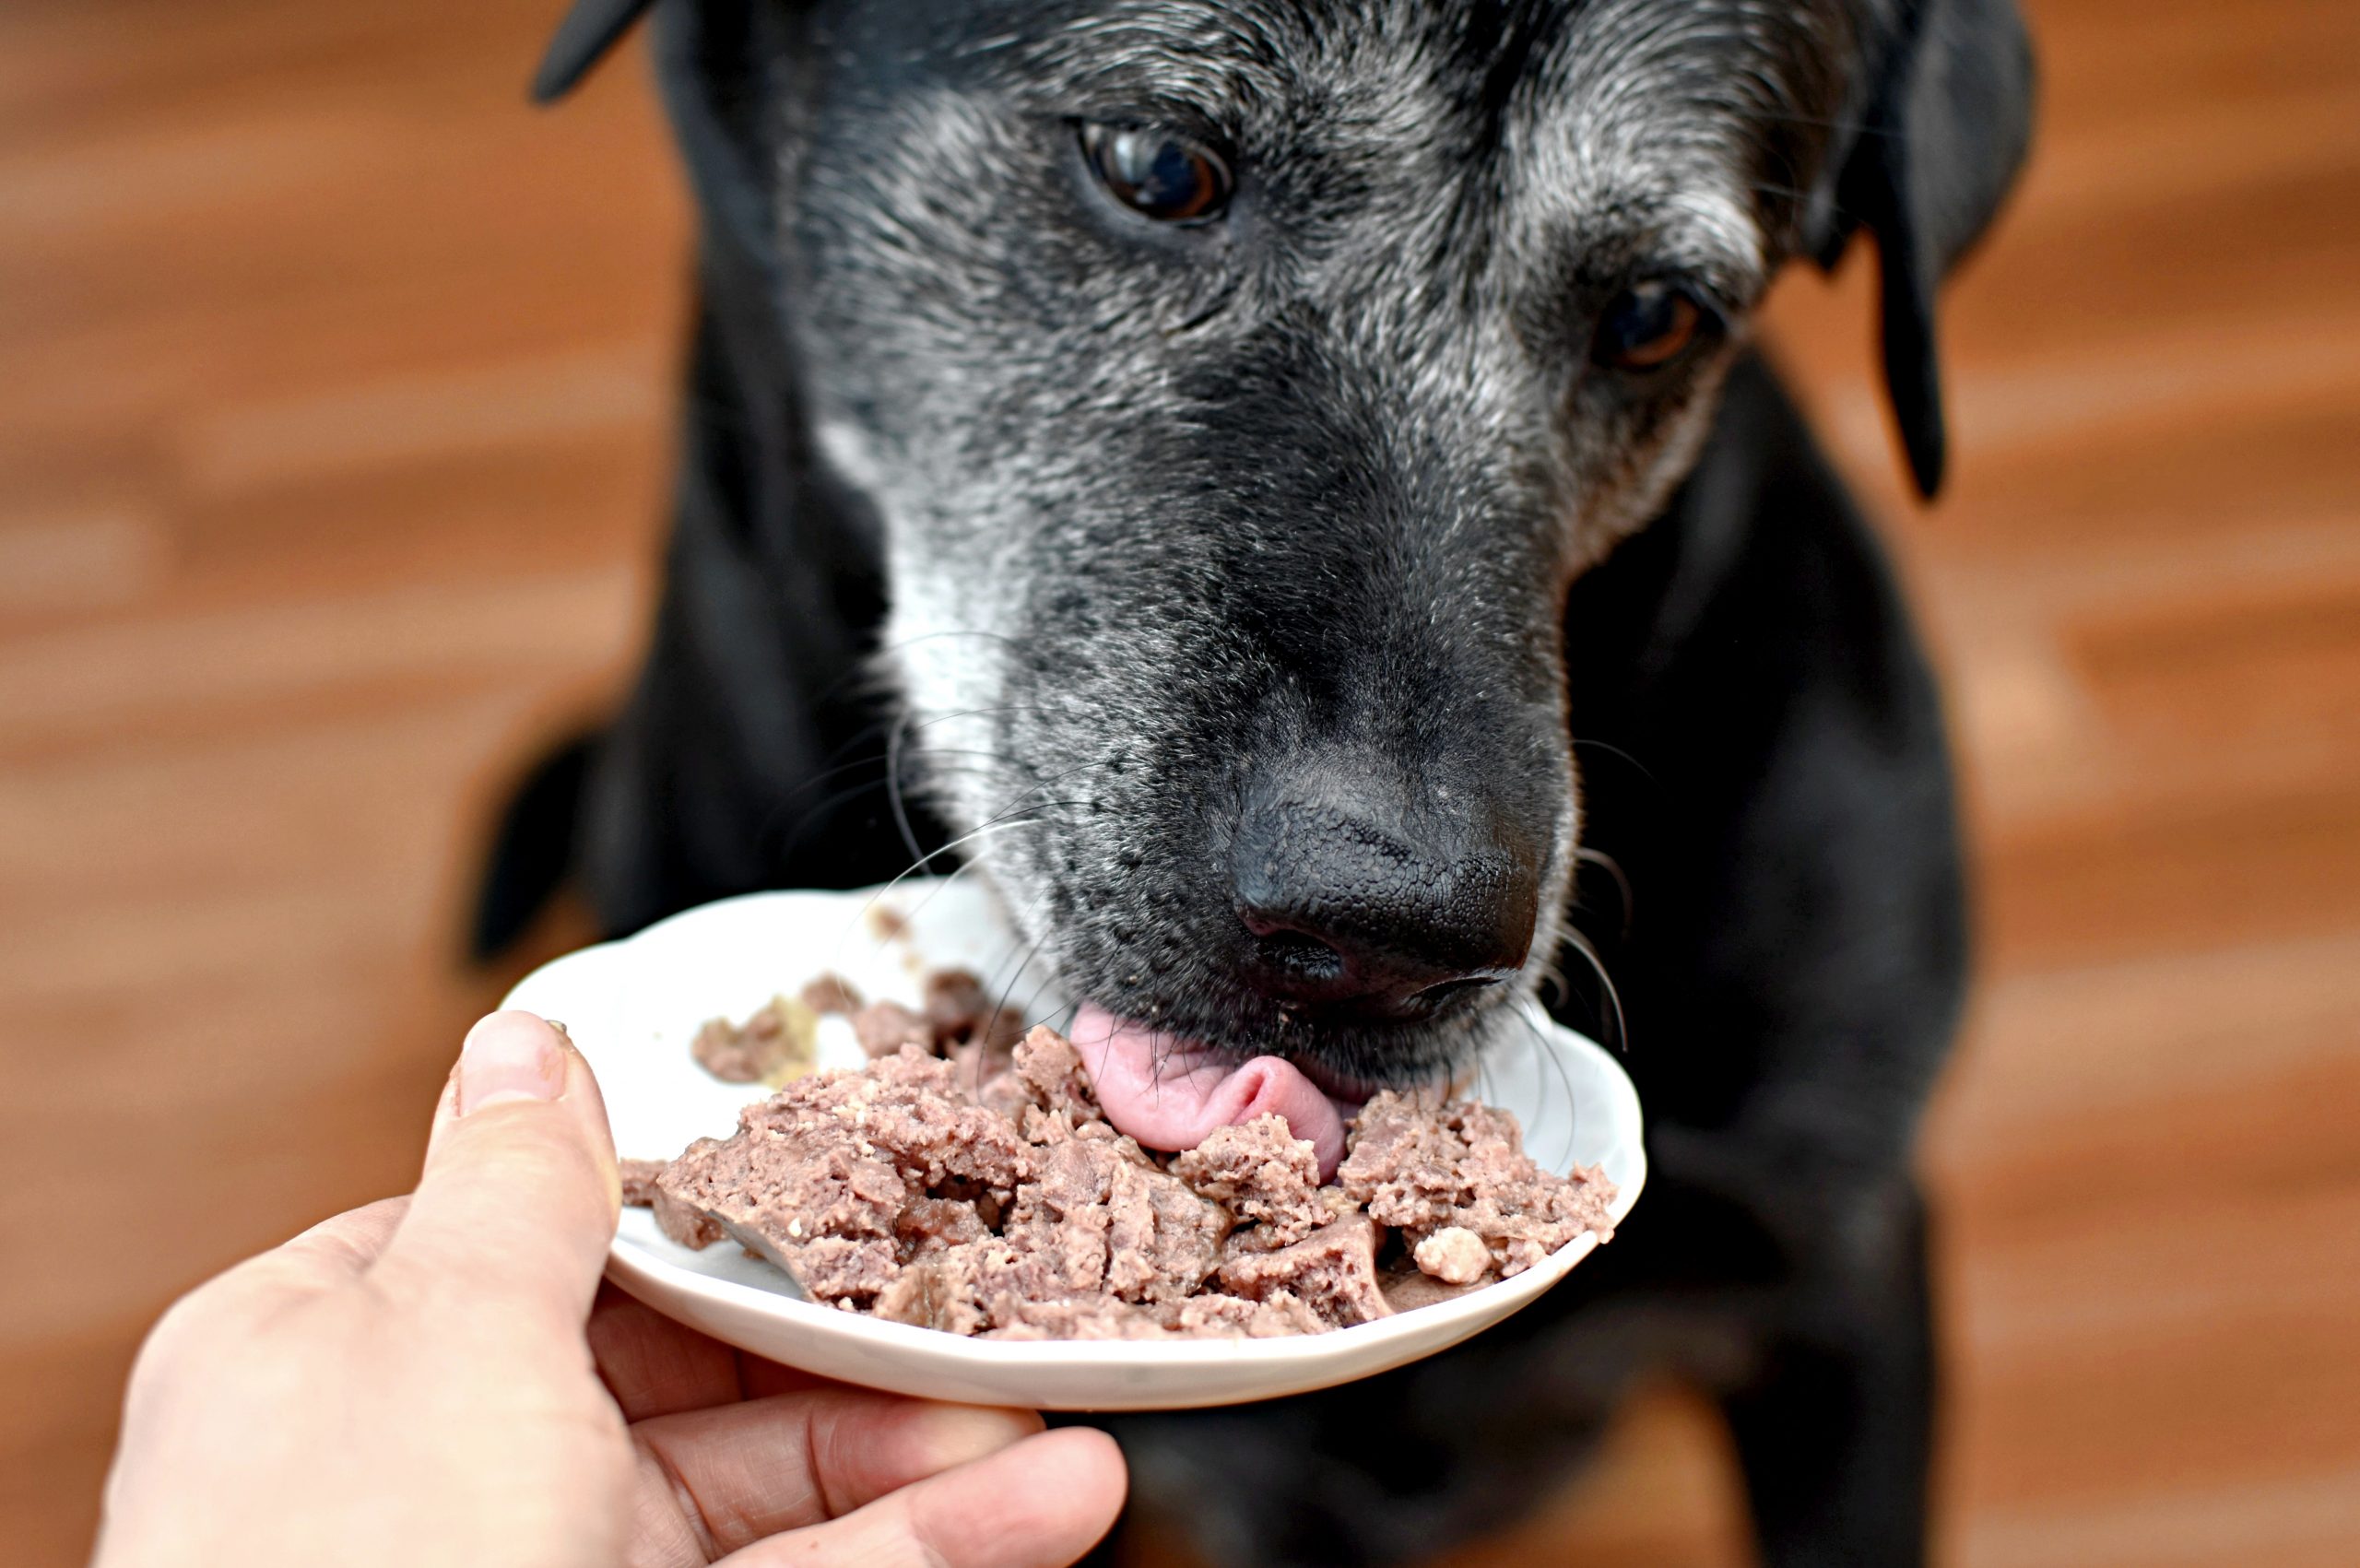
(753, 753)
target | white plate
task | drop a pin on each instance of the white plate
(633, 1006)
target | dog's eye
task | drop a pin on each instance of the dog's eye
(1163, 174)
(1648, 327)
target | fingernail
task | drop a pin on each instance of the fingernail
(509, 1056)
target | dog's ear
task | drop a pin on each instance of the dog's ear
(1949, 114)
(589, 30)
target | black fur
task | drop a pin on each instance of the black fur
(1328, 493)
(1945, 133)
(532, 849)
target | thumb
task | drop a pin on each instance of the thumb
(518, 1199)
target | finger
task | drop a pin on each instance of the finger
(760, 1379)
(331, 1252)
(518, 1200)
(718, 1479)
(349, 1242)
(653, 1366)
(446, 1104)
(1041, 1504)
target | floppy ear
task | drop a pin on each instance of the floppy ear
(713, 60)
(590, 29)
(1949, 115)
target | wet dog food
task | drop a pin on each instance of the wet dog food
(832, 994)
(779, 1043)
(965, 1180)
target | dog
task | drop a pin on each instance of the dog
(1281, 487)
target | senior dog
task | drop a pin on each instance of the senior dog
(1279, 488)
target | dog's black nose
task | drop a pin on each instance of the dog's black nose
(1375, 911)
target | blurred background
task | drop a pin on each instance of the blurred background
(335, 390)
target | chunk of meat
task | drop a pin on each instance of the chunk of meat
(1407, 1290)
(1332, 1271)
(905, 1109)
(955, 1004)
(1264, 1174)
(883, 1028)
(1163, 1240)
(1052, 1074)
(680, 1222)
(638, 1177)
(1424, 1170)
(835, 1270)
(934, 1224)
(778, 1043)
(832, 994)
(1274, 1316)
(781, 1192)
(684, 1225)
(972, 1287)
(985, 1072)
(1081, 1317)
(1114, 1223)
(1454, 1255)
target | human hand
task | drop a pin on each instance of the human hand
(438, 1379)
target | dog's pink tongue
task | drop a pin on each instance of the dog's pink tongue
(1170, 1093)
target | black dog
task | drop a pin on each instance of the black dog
(1242, 465)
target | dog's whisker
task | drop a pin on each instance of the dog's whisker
(1040, 988)
(1547, 1048)
(1587, 856)
(897, 745)
(1581, 744)
(1011, 821)
(780, 839)
(893, 785)
(1008, 970)
(900, 643)
(943, 883)
(1582, 945)
(1043, 782)
(1011, 971)
(1016, 799)
(1019, 816)
(1021, 958)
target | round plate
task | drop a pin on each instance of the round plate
(633, 1006)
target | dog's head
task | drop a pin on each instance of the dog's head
(1239, 387)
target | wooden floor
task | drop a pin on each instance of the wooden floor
(333, 405)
